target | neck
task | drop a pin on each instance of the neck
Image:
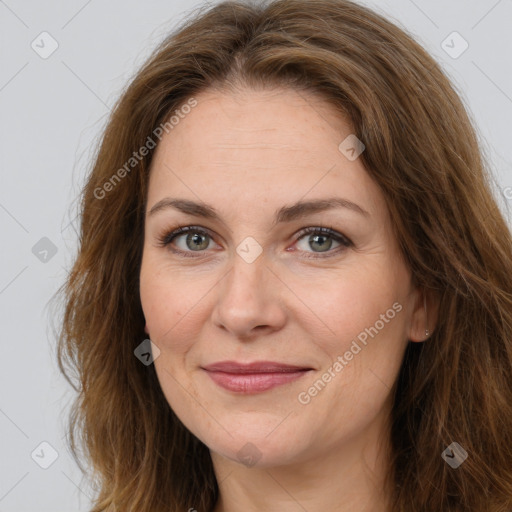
(344, 478)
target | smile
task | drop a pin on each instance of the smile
(254, 377)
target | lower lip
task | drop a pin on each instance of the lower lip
(254, 382)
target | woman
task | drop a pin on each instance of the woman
(225, 362)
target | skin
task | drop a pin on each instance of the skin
(247, 154)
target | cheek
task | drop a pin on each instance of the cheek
(162, 302)
(360, 319)
(171, 306)
(174, 304)
(342, 305)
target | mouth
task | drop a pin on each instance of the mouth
(253, 377)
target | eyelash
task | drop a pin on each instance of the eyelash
(168, 237)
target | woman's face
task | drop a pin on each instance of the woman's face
(323, 318)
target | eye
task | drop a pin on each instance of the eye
(188, 240)
(192, 238)
(322, 239)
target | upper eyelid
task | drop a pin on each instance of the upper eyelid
(301, 233)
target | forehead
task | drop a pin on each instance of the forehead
(255, 147)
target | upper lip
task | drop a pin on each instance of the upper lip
(255, 367)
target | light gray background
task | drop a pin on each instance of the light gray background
(51, 114)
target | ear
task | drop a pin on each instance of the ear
(424, 316)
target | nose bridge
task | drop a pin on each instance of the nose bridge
(247, 296)
(248, 266)
(245, 283)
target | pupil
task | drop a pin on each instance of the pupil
(197, 241)
(320, 239)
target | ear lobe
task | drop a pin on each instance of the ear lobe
(424, 318)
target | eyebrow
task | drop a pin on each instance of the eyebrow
(285, 214)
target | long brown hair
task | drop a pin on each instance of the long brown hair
(421, 149)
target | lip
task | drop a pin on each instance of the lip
(253, 377)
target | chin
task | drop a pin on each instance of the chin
(258, 447)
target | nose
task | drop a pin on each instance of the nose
(249, 300)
